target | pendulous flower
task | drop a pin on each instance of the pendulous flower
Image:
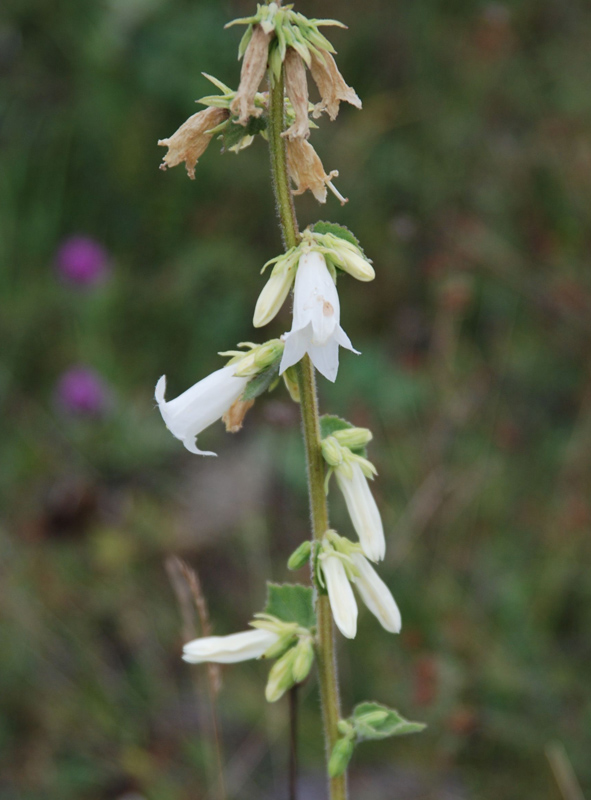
(201, 405)
(341, 564)
(190, 141)
(340, 594)
(306, 171)
(362, 509)
(229, 649)
(331, 85)
(316, 328)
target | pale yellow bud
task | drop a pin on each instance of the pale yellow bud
(296, 86)
(190, 141)
(306, 171)
(274, 293)
(280, 677)
(331, 85)
(251, 75)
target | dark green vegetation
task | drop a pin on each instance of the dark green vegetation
(469, 178)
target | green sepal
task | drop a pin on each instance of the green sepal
(375, 721)
(234, 133)
(245, 41)
(337, 230)
(300, 556)
(261, 382)
(291, 602)
(329, 423)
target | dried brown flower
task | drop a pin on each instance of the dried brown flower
(306, 171)
(190, 141)
(234, 416)
(331, 85)
(296, 86)
(253, 70)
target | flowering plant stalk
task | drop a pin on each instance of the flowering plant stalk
(298, 623)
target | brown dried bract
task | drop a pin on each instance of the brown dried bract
(306, 171)
(331, 85)
(190, 141)
(253, 70)
(296, 86)
(234, 416)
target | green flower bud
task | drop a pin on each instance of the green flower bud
(332, 451)
(281, 646)
(259, 358)
(280, 677)
(291, 382)
(373, 718)
(300, 557)
(303, 660)
(340, 757)
(354, 438)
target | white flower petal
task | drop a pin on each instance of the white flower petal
(363, 510)
(326, 359)
(296, 345)
(342, 599)
(200, 406)
(376, 595)
(229, 649)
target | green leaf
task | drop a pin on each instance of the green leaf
(291, 602)
(330, 423)
(261, 382)
(337, 230)
(234, 132)
(375, 721)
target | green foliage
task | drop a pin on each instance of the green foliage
(337, 230)
(234, 133)
(376, 721)
(291, 602)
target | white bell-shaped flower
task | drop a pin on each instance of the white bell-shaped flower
(200, 406)
(363, 509)
(316, 328)
(230, 649)
(376, 595)
(340, 594)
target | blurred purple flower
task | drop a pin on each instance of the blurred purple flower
(82, 261)
(83, 392)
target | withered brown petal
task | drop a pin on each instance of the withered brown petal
(234, 416)
(190, 141)
(331, 85)
(296, 86)
(253, 70)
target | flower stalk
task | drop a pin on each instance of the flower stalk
(327, 668)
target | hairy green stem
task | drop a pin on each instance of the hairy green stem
(327, 667)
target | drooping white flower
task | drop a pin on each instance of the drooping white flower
(376, 595)
(200, 406)
(341, 564)
(340, 594)
(316, 328)
(229, 649)
(362, 509)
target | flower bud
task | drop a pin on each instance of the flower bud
(373, 718)
(331, 451)
(300, 557)
(302, 660)
(259, 358)
(280, 677)
(350, 259)
(275, 290)
(281, 646)
(290, 379)
(340, 757)
(354, 438)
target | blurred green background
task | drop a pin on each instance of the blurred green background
(469, 178)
